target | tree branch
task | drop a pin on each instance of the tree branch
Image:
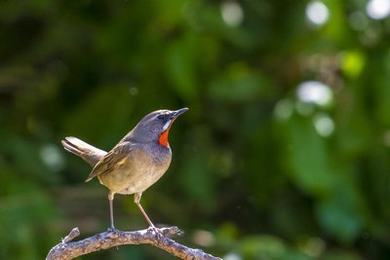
(69, 250)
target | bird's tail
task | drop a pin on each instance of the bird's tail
(85, 151)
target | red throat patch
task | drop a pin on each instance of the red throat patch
(163, 140)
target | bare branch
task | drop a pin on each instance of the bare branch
(69, 250)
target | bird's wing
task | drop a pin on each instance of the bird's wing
(111, 160)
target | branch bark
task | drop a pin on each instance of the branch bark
(69, 250)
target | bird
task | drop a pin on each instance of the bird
(135, 163)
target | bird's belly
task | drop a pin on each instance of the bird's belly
(143, 181)
(130, 180)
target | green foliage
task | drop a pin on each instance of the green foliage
(263, 167)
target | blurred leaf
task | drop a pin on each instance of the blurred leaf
(23, 218)
(353, 63)
(308, 158)
(25, 157)
(239, 84)
(195, 174)
(181, 59)
(262, 247)
(339, 254)
(108, 110)
(339, 220)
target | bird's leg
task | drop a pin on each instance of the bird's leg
(137, 199)
(110, 201)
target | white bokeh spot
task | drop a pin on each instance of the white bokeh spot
(378, 9)
(315, 92)
(232, 13)
(284, 109)
(52, 157)
(317, 13)
(324, 125)
(232, 256)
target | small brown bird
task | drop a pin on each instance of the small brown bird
(135, 163)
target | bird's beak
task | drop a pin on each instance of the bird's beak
(173, 116)
(179, 112)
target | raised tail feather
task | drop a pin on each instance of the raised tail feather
(85, 151)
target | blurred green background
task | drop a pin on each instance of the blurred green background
(283, 155)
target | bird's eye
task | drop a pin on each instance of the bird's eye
(162, 116)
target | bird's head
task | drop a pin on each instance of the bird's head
(155, 126)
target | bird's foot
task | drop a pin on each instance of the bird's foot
(156, 231)
(112, 229)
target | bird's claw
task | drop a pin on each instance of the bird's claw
(156, 231)
(112, 229)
